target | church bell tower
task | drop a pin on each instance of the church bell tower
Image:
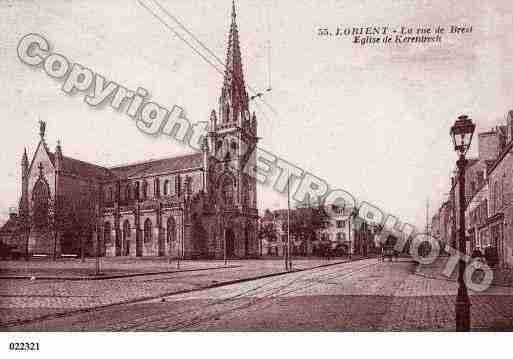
(233, 133)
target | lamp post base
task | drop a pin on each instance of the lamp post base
(462, 311)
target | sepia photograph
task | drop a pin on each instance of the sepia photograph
(323, 170)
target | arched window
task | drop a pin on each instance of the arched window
(156, 189)
(166, 187)
(188, 182)
(136, 190)
(41, 198)
(145, 190)
(126, 229)
(171, 230)
(178, 185)
(128, 193)
(227, 190)
(245, 193)
(106, 232)
(147, 231)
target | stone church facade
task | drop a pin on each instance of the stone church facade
(200, 205)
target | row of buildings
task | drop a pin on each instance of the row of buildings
(488, 198)
(310, 229)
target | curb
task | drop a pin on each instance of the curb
(455, 281)
(138, 300)
(113, 276)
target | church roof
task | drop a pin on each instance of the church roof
(10, 227)
(159, 166)
(85, 169)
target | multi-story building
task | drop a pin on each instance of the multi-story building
(340, 232)
(444, 218)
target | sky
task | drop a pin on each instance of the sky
(372, 120)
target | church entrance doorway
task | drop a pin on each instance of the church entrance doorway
(125, 235)
(118, 243)
(160, 243)
(139, 244)
(230, 243)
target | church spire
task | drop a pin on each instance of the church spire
(24, 159)
(234, 98)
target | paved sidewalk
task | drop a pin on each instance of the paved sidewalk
(428, 304)
(22, 299)
(114, 267)
(501, 277)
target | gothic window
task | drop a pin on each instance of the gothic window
(227, 190)
(171, 230)
(147, 231)
(166, 187)
(127, 192)
(234, 145)
(189, 184)
(145, 190)
(106, 232)
(136, 190)
(157, 187)
(178, 185)
(245, 192)
(126, 229)
(41, 198)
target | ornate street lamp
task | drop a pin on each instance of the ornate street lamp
(461, 133)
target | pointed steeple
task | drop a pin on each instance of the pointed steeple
(24, 164)
(234, 98)
(24, 159)
(204, 145)
(58, 149)
(213, 120)
(58, 156)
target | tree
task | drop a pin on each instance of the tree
(305, 222)
(267, 231)
(77, 217)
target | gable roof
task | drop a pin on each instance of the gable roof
(11, 227)
(158, 166)
(84, 169)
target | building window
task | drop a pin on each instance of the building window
(106, 232)
(145, 190)
(495, 196)
(147, 231)
(156, 188)
(137, 190)
(171, 230)
(228, 190)
(166, 187)
(178, 185)
(41, 197)
(340, 224)
(128, 193)
(126, 229)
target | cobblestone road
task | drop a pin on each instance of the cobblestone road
(364, 295)
(26, 299)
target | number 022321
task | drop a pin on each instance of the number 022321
(23, 346)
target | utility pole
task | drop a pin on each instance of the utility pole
(427, 216)
(225, 257)
(288, 226)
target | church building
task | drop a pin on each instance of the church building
(200, 205)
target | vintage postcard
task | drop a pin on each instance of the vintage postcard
(255, 166)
